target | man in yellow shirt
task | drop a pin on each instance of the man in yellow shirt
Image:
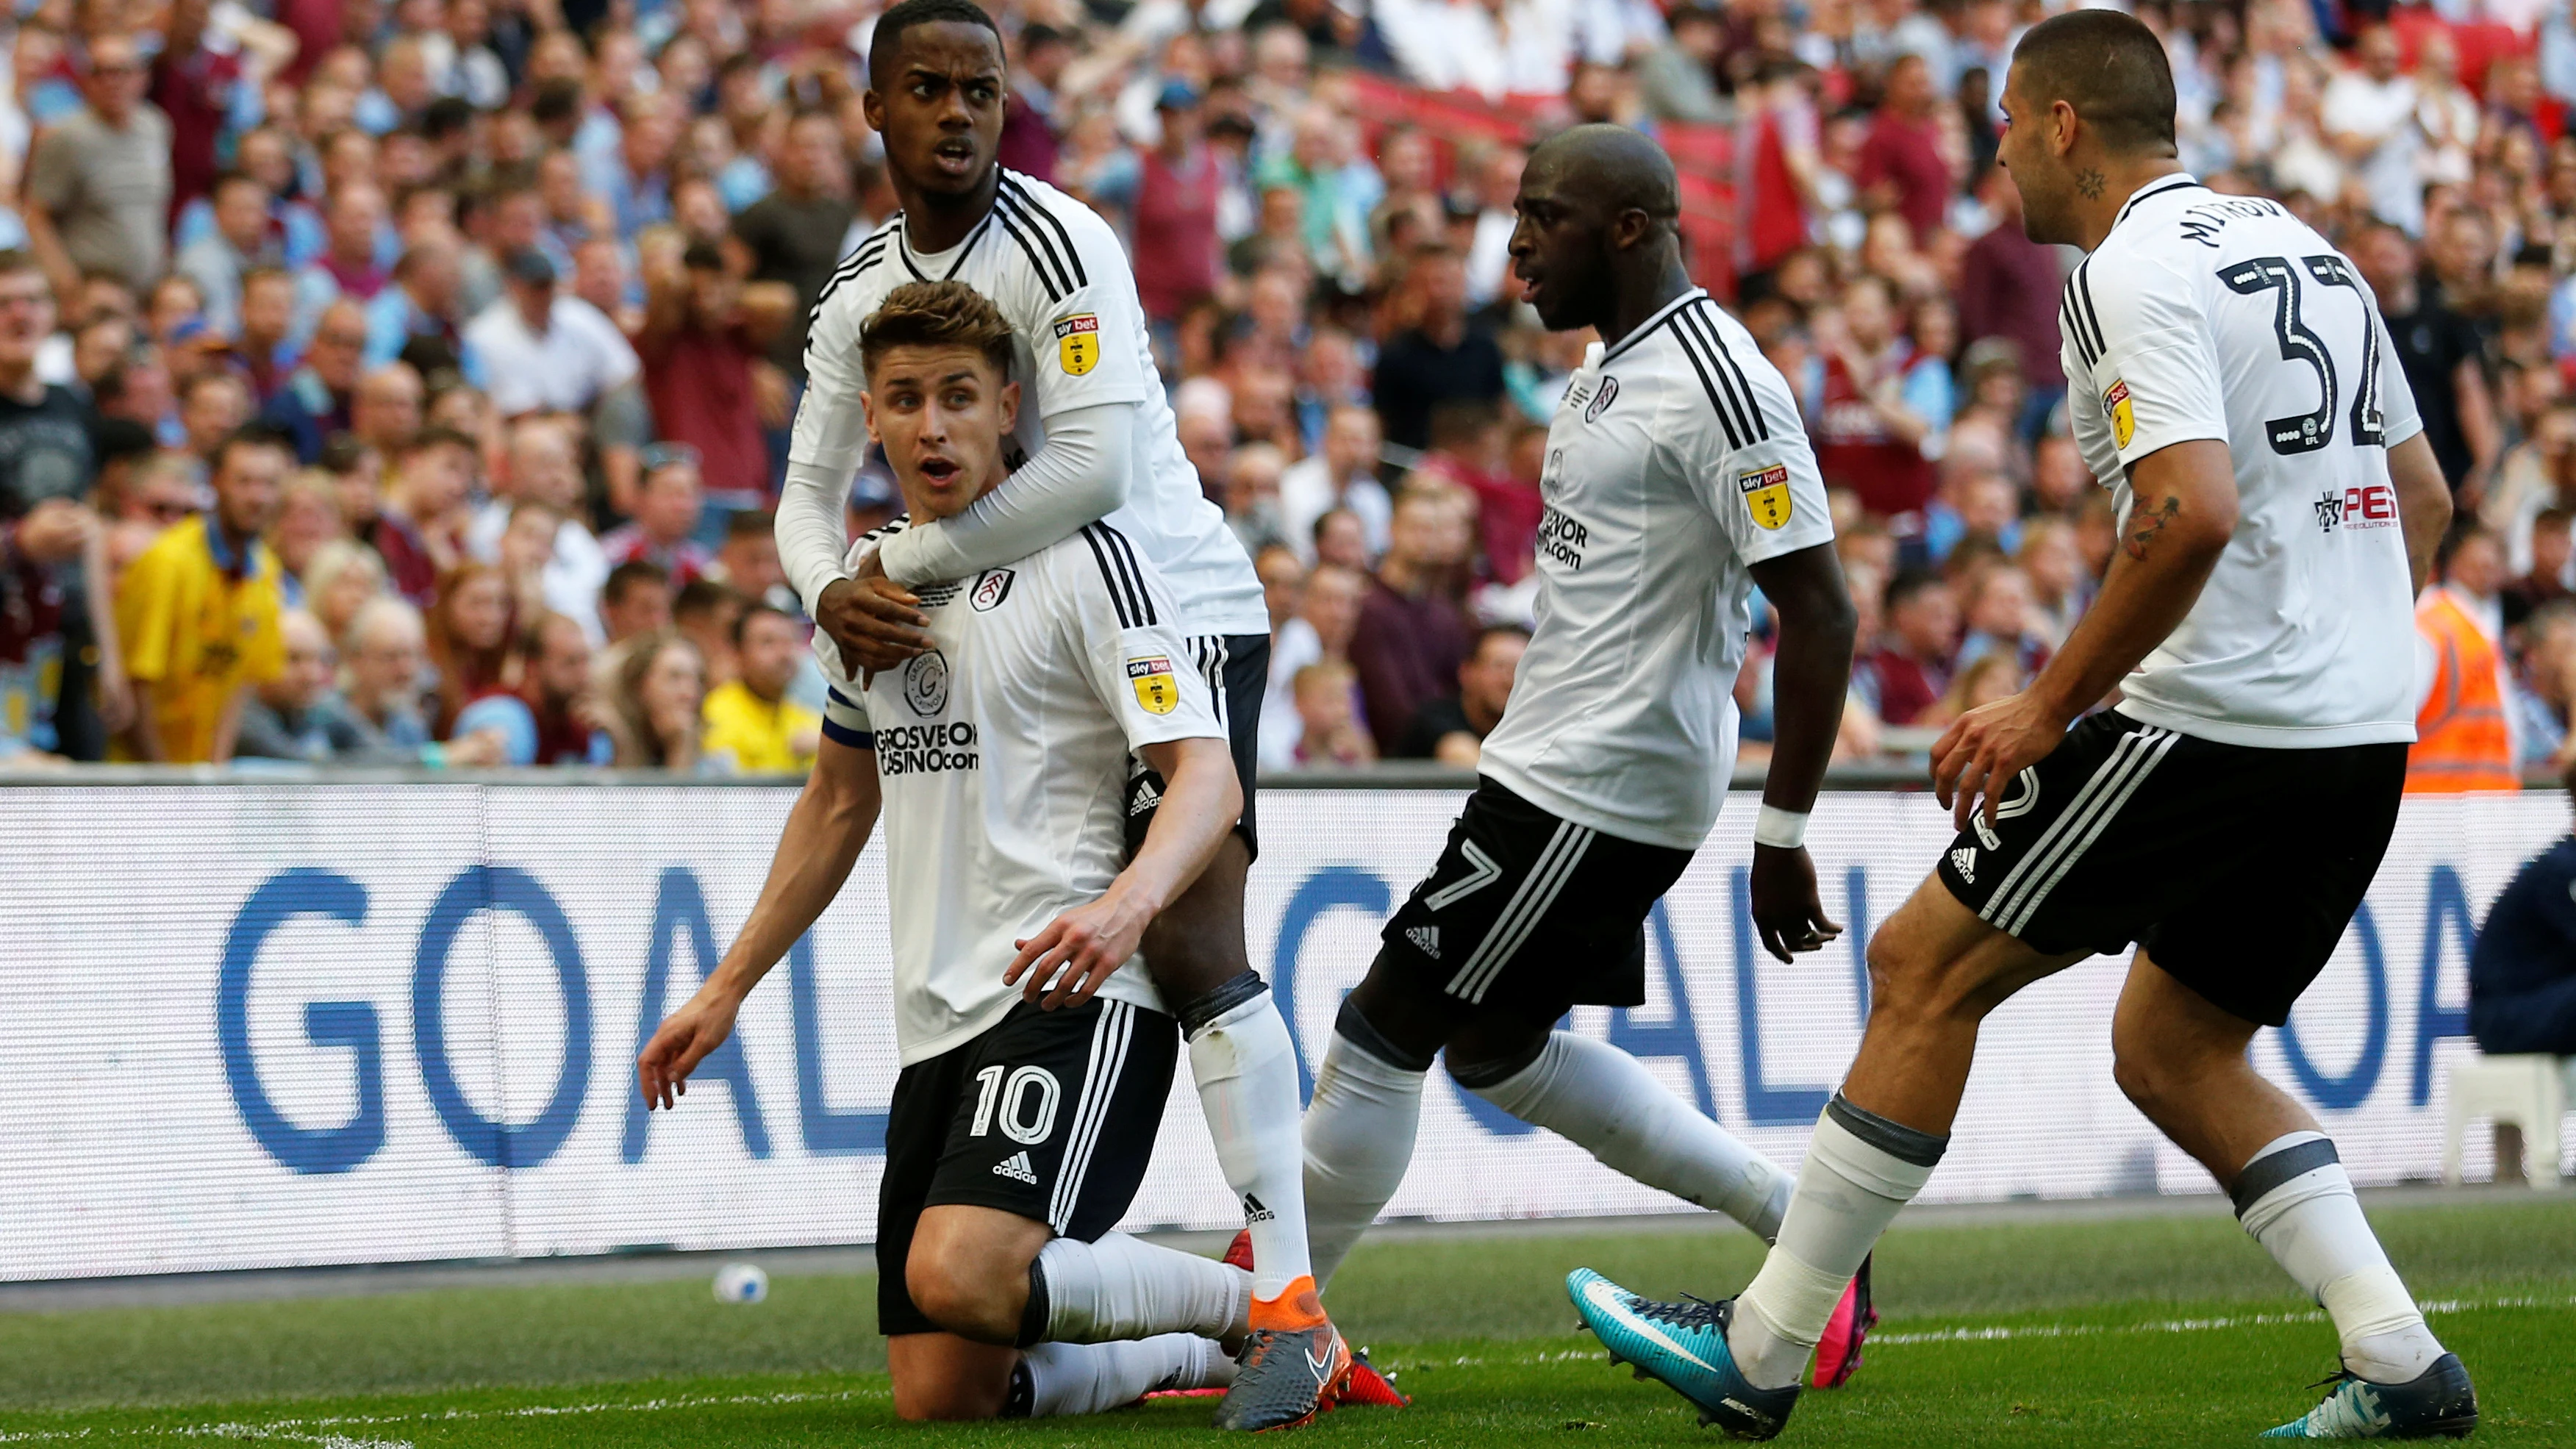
(752, 718)
(197, 613)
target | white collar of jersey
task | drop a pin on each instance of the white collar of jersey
(1638, 333)
(2176, 181)
(955, 256)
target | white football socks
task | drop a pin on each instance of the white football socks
(1358, 1140)
(1119, 1288)
(1246, 1069)
(1605, 1101)
(1860, 1170)
(2296, 1200)
(1093, 1378)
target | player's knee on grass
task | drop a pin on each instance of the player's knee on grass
(940, 1378)
(1196, 944)
(969, 1270)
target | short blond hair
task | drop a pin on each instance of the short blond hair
(936, 314)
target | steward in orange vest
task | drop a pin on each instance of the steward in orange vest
(2461, 739)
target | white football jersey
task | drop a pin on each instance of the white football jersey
(1675, 462)
(1056, 270)
(1003, 756)
(2211, 316)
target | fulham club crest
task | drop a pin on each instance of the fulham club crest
(990, 590)
(1601, 400)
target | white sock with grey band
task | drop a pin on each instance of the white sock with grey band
(2296, 1200)
(1358, 1138)
(1246, 1070)
(1861, 1169)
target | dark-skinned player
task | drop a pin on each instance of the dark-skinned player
(1677, 481)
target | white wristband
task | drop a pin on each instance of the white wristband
(1782, 829)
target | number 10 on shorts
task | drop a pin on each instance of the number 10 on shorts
(1020, 1121)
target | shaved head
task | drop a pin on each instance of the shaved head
(1612, 169)
(2111, 68)
(1599, 208)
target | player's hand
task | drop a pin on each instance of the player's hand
(1787, 916)
(875, 621)
(1985, 748)
(685, 1038)
(1064, 964)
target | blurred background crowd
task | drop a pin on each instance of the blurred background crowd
(408, 382)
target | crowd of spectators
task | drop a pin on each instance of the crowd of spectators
(401, 381)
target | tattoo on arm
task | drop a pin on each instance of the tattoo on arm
(2146, 522)
(2091, 184)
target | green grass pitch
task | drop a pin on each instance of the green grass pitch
(2144, 1331)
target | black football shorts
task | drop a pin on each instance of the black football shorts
(2236, 868)
(1530, 913)
(1050, 1116)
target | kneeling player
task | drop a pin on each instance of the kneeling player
(1023, 1118)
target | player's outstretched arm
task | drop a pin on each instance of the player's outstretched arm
(2181, 514)
(2423, 504)
(1065, 963)
(1811, 675)
(824, 835)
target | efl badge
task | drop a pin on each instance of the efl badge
(1766, 495)
(1156, 688)
(925, 683)
(1077, 343)
(991, 590)
(2115, 406)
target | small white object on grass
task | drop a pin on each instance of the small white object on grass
(741, 1283)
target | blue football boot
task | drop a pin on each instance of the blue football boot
(2437, 1403)
(1684, 1346)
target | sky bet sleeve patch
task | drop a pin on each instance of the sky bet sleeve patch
(1156, 688)
(1766, 495)
(2124, 421)
(1077, 343)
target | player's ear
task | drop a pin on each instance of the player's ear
(1010, 401)
(872, 106)
(868, 409)
(2061, 127)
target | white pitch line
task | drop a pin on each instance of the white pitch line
(319, 1430)
(2003, 1333)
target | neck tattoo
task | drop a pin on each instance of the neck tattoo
(2091, 183)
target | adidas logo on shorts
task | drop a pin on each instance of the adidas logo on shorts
(1254, 1212)
(1147, 797)
(1964, 861)
(1425, 939)
(1017, 1168)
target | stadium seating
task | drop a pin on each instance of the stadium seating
(2529, 1091)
